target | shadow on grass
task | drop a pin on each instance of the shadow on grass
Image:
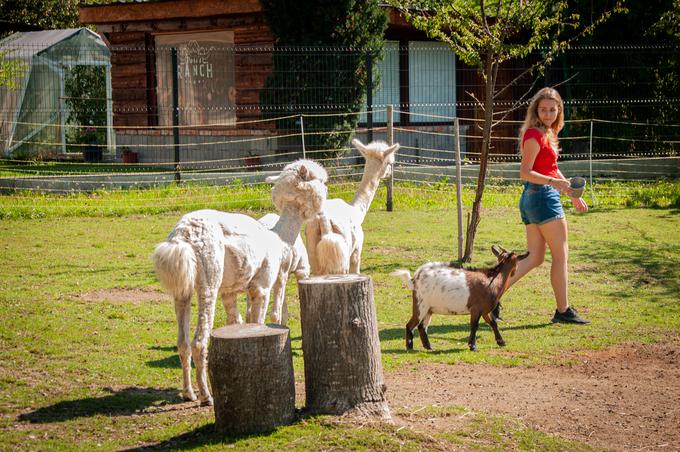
(644, 264)
(167, 348)
(207, 436)
(123, 402)
(169, 362)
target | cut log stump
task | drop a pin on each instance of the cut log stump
(341, 347)
(250, 367)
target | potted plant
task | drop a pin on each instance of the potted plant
(252, 161)
(92, 153)
(128, 155)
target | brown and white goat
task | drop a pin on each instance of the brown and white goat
(444, 288)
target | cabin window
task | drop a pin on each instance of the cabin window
(432, 81)
(387, 91)
(205, 74)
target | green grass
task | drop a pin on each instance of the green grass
(82, 374)
(241, 196)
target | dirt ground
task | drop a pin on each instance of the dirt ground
(624, 398)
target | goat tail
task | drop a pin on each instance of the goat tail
(405, 276)
(175, 263)
(332, 251)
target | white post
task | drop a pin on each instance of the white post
(590, 164)
(62, 109)
(110, 132)
(302, 130)
(459, 190)
(390, 141)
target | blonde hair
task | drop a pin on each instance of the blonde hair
(532, 120)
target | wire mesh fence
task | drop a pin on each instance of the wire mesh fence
(87, 117)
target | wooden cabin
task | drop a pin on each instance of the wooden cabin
(225, 58)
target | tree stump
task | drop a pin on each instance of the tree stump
(250, 368)
(341, 347)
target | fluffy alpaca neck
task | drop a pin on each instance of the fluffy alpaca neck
(289, 225)
(364, 196)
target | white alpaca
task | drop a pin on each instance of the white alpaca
(217, 252)
(335, 237)
(299, 266)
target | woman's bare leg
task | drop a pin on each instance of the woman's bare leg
(536, 247)
(555, 234)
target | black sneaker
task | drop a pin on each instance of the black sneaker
(496, 313)
(569, 316)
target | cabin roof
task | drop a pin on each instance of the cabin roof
(124, 11)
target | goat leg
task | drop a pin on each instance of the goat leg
(423, 336)
(474, 324)
(409, 333)
(494, 326)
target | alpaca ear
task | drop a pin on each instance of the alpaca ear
(303, 172)
(392, 149)
(272, 179)
(360, 146)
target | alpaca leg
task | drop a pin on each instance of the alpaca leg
(207, 296)
(355, 262)
(278, 295)
(355, 258)
(491, 320)
(258, 300)
(313, 236)
(183, 314)
(231, 308)
(284, 313)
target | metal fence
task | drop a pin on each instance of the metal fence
(190, 112)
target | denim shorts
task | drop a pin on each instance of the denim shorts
(540, 204)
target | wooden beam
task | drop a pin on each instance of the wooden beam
(164, 10)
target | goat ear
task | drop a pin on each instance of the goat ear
(503, 249)
(495, 251)
(523, 256)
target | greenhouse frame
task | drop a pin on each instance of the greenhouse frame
(34, 113)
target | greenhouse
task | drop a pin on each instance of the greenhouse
(55, 95)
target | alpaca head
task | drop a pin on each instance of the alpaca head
(379, 157)
(300, 186)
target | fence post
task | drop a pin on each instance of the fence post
(590, 164)
(369, 96)
(390, 142)
(110, 131)
(459, 190)
(175, 113)
(302, 136)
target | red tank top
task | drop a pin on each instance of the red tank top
(546, 160)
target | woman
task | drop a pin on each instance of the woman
(540, 205)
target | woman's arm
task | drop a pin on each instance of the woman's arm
(530, 150)
(579, 204)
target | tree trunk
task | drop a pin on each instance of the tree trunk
(475, 218)
(341, 347)
(251, 374)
